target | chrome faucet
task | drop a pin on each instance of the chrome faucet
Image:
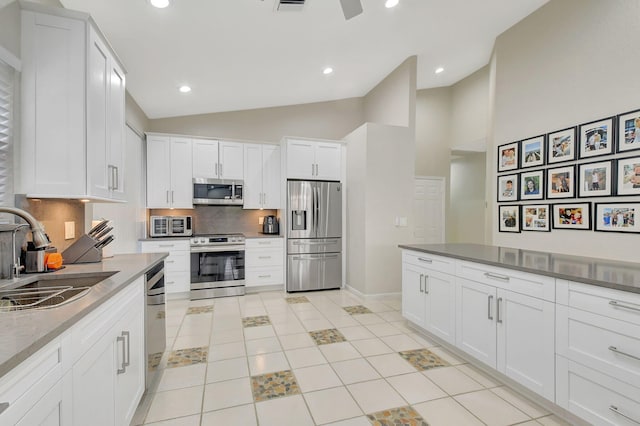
(40, 239)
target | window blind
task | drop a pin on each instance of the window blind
(7, 78)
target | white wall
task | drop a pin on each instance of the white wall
(470, 112)
(467, 198)
(570, 62)
(356, 208)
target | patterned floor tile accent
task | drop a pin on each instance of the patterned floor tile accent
(184, 357)
(423, 359)
(358, 309)
(256, 321)
(325, 337)
(199, 310)
(297, 299)
(403, 416)
(274, 385)
(154, 361)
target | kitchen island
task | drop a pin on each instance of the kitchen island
(564, 328)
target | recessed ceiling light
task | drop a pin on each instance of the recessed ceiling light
(185, 89)
(439, 70)
(391, 3)
(160, 4)
(327, 71)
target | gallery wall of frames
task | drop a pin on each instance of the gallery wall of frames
(552, 181)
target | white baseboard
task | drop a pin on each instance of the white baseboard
(374, 296)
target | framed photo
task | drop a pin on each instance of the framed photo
(596, 138)
(509, 218)
(532, 185)
(629, 131)
(535, 217)
(628, 176)
(618, 217)
(508, 157)
(561, 146)
(595, 179)
(508, 188)
(532, 151)
(561, 182)
(572, 216)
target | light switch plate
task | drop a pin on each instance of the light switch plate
(69, 230)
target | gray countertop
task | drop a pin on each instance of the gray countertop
(623, 276)
(22, 333)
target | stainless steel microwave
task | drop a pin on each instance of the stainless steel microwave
(170, 226)
(217, 192)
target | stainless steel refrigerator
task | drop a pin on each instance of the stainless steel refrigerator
(314, 232)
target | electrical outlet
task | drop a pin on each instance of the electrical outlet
(260, 220)
(69, 230)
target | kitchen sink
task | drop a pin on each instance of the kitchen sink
(49, 292)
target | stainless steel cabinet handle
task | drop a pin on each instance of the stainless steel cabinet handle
(109, 177)
(170, 282)
(171, 197)
(166, 245)
(127, 363)
(498, 319)
(620, 413)
(616, 350)
(317, 172)
(3, 406)
(422, 259)
(221, 170)
(167, 197)
(313, 170)
(496, 276)
(117, 178)
(264, 276)
(169, 261)
(421, 291)
(123, 369)
(426, 284)
(489, 304)
(216, 172)
(623, 305)
(264, 257)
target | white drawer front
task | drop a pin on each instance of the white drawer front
(266, 257)
(264, 243)
(617, 304)
(429, 261)
(178, 261)
(596, 397)
(160, 246)
(177, 281)
(605, 344)
(264, 276)
(520, 282)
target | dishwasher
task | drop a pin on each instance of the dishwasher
(154, 322)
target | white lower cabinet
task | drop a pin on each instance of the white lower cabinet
(54, 408)
(177, 267)
(264, 261)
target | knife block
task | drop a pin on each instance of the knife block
(82, 251)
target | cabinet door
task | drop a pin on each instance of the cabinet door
(475, 320)
(98, 90)
(158, 172)
(54, 408)
(181, 191)
(271, 184)
(413, 297)
(231, 160)
(117, 150)
(130, 384)
(526, 341)
(252, 191)
(300, 159)
(440, 305)
(328, 157)
(205, 159)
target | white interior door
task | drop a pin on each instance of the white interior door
(428, 210)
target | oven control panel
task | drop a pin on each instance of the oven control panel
(208, 240)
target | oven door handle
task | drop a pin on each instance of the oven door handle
(216, 249)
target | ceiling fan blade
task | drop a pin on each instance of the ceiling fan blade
(351, 8)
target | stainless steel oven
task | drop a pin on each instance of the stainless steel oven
(217, 266)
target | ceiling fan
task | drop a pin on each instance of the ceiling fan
(350, 8)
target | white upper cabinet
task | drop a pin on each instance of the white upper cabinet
(73, 108)
(169, 170)
(217, 160)
(261, 177)
(313, 160)
(231, 156)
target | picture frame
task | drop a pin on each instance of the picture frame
(561, 182)
(509, 218)
(617, 217)
(628, 176)
(596, 138)
(629, 131)
(561, 145)
(535, 217)
(571, 216)
(508, 157)
(533, 151)
(508, 188)
(532, 185)
(595, 179)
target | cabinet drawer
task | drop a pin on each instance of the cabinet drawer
(520, 282)
(177, 281)
(264, 243)
(164, 246)
(178, 261)
(596, 397)
(605, 344)
(264, 276)
(429, 261)
(611, 303)
(266, 257)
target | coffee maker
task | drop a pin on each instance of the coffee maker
(270, 225)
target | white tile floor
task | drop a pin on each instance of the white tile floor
(340, 383)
